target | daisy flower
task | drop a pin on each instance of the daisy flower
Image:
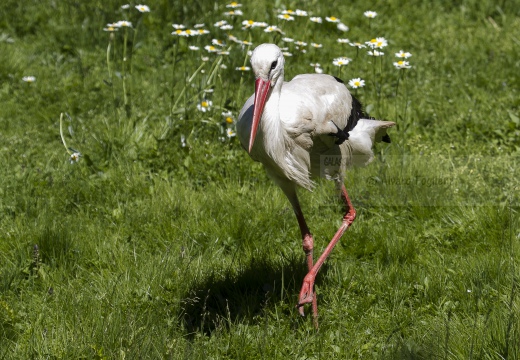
(376, 53)
(317, 46)
(343, 41)
(377, 43)
(317, 68)
(201, 32)
(194, 48)
(29, 79)
(223, 52)
(226, 27)
(205, 105)
(358, 45)
(248, 23)
(125, 7)
(243, 68)
(218, 42)
(111, 28)
(189, 32)
(228, 116)
(287, 12)
(402, 54)
(230, 133)
(271, 28)
(341, 61)
(245, 42)
(286, 17)
(402, 65)
(220, 23)
(300, 43)
(123, 23)
(233, 5)
(74, 157)
(210, 48)
(332, 19)
(286, 39)
(179, 32)
(178, 26)
(316, 19)
(342, 27)
(234, 39)
(198, 26)
(301, 12)
(356, 83)
(370, 14)
(259, 24)
(142, 8)
(234, 13)
(286, 53)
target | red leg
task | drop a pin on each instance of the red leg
(307, 291)
(308, 246)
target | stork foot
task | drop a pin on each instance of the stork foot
(306, 293)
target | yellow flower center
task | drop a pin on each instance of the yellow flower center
(333, 18)
(204, 104)
(188, 32)
(400, 63)
(234, 3)
(178, 31)
(373, 41)
(229, 120)
(250, 22)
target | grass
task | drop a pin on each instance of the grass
(166, 241)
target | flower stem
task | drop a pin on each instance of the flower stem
(63, 137)
(125, 93)
(175, 45)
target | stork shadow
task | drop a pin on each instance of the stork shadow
(242, 297)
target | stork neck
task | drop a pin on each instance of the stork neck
(273, 101)
(272, 126)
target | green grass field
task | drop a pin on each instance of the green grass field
(165, 240)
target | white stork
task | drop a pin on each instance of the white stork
(308, 127)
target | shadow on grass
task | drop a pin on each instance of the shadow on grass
(242, 296)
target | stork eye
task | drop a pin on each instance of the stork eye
(273, 65)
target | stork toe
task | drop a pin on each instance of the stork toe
(306, 292)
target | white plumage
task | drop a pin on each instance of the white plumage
(305, 128)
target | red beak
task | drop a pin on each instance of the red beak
(261, 90)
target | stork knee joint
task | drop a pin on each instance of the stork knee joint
(308, 244)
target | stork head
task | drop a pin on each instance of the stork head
(267, 62)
